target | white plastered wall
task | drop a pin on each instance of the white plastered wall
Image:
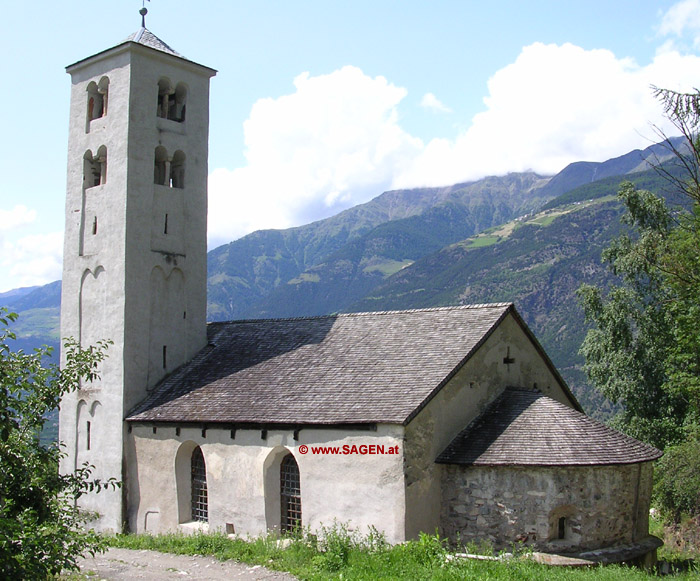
(360, 490)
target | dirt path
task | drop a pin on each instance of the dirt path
(127, 564)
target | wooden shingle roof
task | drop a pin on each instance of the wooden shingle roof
(526, 428)
(352, 368)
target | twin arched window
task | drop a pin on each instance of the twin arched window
(95, 168)
(169, 171)
(172, 101)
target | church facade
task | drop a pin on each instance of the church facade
(410, 421)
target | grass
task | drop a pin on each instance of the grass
(481, 241)
(337, 553)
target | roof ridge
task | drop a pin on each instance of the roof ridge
(369, 313)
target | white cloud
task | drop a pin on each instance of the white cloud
(552, 106)
(683, 17)
(32, 260)
(430, 101)
(333, 143)
(19, 216)
(337, 141)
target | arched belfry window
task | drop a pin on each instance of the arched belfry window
(172, 101)
(177, 170)
(95, 168)
(180, 103)
(199, 501)
(169, 171)
(97, 96)
(161, 171)
(290, 495)
(164, 93)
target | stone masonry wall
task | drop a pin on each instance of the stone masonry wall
(600, 505)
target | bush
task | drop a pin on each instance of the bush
(677, 488)
(40, 524)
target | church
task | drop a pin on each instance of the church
(451, 419)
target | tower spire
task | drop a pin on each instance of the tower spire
(143, 13)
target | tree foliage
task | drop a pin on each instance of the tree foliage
(40, 523)
(644, 348)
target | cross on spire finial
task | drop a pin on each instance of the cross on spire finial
(143, 13)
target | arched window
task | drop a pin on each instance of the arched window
(561, 527)
(290, 495)
(95, 168)
(178, 111)
(177, 170)
(161, 171)
(198, 479)
(97, 94)
(565, 524)
(171, 101)
(164, 92)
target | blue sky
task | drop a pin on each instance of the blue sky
(319, 106)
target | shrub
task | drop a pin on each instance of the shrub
(677, 489)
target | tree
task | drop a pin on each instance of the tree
(40, 522)
(644, 348)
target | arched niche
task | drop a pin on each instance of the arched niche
(93, 306)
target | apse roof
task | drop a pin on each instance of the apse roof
(523, 427)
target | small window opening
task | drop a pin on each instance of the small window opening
(165, 356)
(561, 533)
(165, 225)
(87, 435)
(199, 501)
(94, 225)
(290, 495)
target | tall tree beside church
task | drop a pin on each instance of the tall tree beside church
(40, 524)
(644, 348)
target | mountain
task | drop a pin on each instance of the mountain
(522, 237)
(245, 271)
(39, 308)
(351, 271)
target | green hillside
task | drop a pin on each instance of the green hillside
(260, 274)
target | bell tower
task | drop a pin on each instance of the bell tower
(134, 261)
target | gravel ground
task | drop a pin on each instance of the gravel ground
(127, 564)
